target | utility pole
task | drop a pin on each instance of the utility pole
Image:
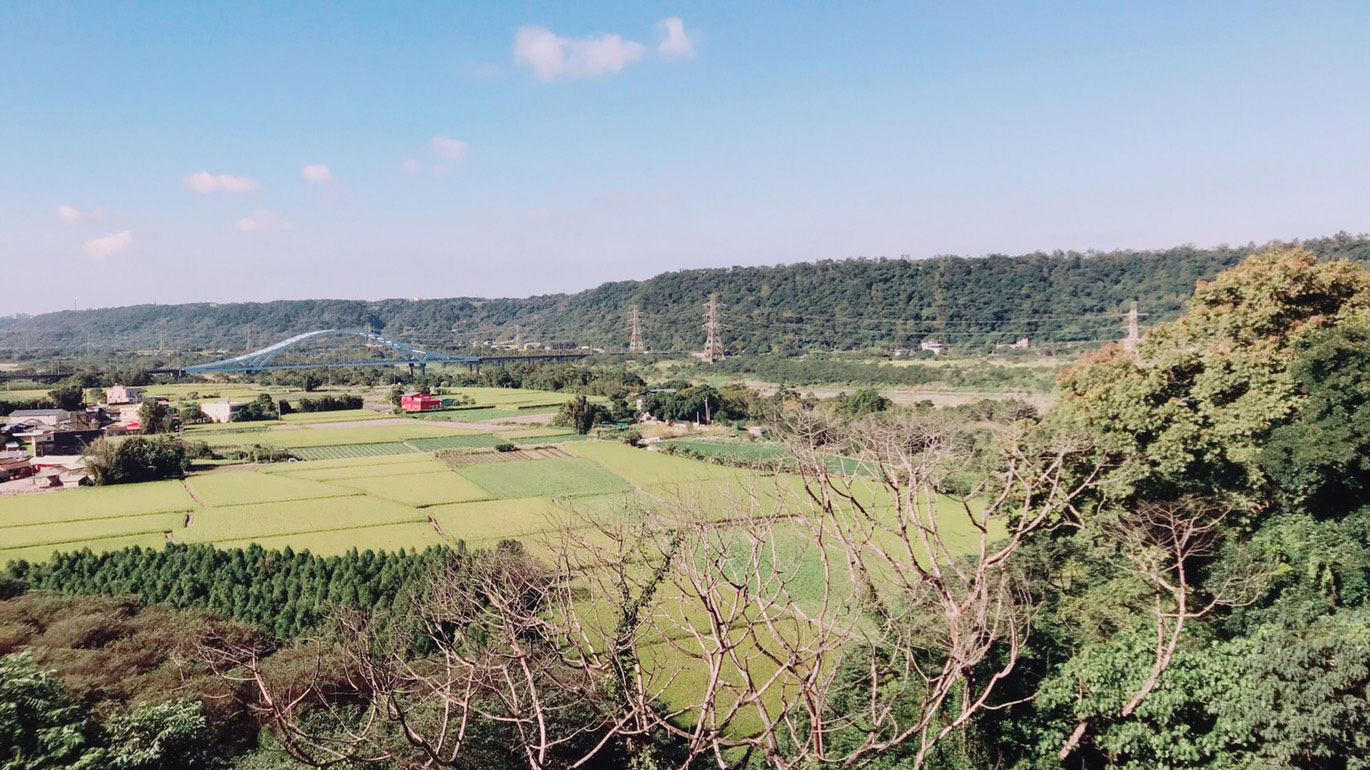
(713, 346)
(1133, 335)
(635, 346)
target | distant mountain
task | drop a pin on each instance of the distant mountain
(831, 304)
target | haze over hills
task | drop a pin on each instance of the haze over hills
(830, 305)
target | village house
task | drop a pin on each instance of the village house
(222, 411)
(122, 394)
(34, 418)
(419, 402)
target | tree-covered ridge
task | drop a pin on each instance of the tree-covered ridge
(284, 592)
(831, 304)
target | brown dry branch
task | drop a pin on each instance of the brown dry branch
(805, 621)
(949, 609)
(1165, 543)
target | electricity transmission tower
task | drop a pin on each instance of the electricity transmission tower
(713, 346)
(635, 346)
(1133, 334)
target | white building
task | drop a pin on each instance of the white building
(932, 346)
(35, 417)
(121, 394)
(221, 411)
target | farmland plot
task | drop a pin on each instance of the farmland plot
(40, 553)
(461, 459)
(425, 464)
(455, 442)
(90, 529)
(345, 462)
(352, 451)
(493, 520)
(644, 468)
(420, 489)
(380, 537)
(545, 478)
(247, 488)
(252, 522)
(94, 503)
(339, 415)
(303, 436)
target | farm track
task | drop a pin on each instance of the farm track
(190, 514)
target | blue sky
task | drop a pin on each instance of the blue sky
(156, 152)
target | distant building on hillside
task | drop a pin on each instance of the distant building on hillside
(122, 394)
(419, 402)
(932, 346)
(222, 411)
(1023, 343)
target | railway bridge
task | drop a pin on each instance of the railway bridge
(400, 354)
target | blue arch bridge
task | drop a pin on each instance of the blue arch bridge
(400, 354)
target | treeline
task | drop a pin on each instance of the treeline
(322, 404)
(285, 593)
(827, 305)
(822, 370)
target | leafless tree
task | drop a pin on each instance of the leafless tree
(1165, 544)
(478, 652)
(826, 621)
(870, 599)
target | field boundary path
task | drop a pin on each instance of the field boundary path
(190, 514)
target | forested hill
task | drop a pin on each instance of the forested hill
(846, 304)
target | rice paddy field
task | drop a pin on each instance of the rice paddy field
(406, 498)
(359, 494)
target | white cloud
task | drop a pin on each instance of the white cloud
(67, 213)
(205, 182)
(261, 221)
(676, 44)
(318, 173)
(413, 166)
(109, 245)
(448, 148)
(552, 56)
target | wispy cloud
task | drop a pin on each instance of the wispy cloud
(675, 44)
(412, 166)
(205, 182)
(318, 173)
(448, 148)
(261, 221)
(109, 245)
(551, 56)
(67, 213)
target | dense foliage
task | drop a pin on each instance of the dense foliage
(581, 414)
(283, 592)
(1249, 408)
(95, 682)
(328, 403)
(135, 459)
(828, 370)
(849, 304)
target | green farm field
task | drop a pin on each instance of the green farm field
(353, 451)
(298, 437)
(571, 477)
(412, 500)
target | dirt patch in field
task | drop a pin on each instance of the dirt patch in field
(461, 459)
